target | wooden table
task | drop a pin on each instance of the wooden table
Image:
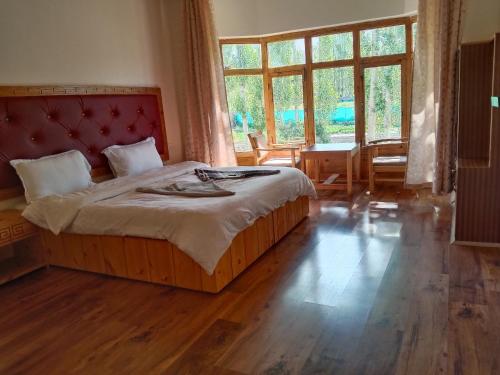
(347, 152)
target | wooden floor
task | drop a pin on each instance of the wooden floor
(364, 286)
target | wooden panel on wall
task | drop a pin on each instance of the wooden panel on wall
(474, 117)
(477, 213)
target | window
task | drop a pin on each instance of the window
(326, 85)
(334, 112)
(332, 47)
(288, 98)
(383, 41)
(414, 34)
(383, 111)
(245, 91)
(288, 52)
(241, 56)
(246, 108)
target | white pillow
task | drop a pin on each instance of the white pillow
(133, 159)
(54, 174)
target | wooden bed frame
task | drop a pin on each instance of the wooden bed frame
(156, 261)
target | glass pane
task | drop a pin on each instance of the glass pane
(383, 102)
(246, 108)
(241, 56)
(334, 114)
(288, 108)
(332, 47)
(288, 52)
(414, 32)
(383, 41)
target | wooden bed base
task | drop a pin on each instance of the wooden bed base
(158, 261)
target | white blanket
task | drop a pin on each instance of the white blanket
(201, 227)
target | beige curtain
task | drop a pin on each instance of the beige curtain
(433, 118)
(206, 131)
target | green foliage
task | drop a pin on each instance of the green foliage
(245, 97)
(288, 52)
(329, 87)
(383, 41)
(288, 107)
(332, 47)
(383, 102)
(241, 56)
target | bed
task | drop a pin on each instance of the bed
(200, 244)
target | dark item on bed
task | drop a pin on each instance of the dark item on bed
(189, 189)
(215, 174)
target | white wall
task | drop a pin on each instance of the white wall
(236, 17)
(107, 42)
(482, 20)
(258, 17)
(239, 18)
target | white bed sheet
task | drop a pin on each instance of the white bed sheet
(201, 227)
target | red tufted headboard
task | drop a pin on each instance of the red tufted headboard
(39, 121)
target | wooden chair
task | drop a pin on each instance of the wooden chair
(275, 155)
(387, 157)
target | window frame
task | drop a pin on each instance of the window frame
(357, 62)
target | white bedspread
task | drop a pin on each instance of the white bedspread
(201, 227)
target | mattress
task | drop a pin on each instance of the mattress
(203, 228)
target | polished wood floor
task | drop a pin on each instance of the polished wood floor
(364, 286)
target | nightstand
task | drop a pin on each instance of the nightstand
(20, 246)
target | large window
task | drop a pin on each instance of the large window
(336, 84)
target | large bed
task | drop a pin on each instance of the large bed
(110, 228)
